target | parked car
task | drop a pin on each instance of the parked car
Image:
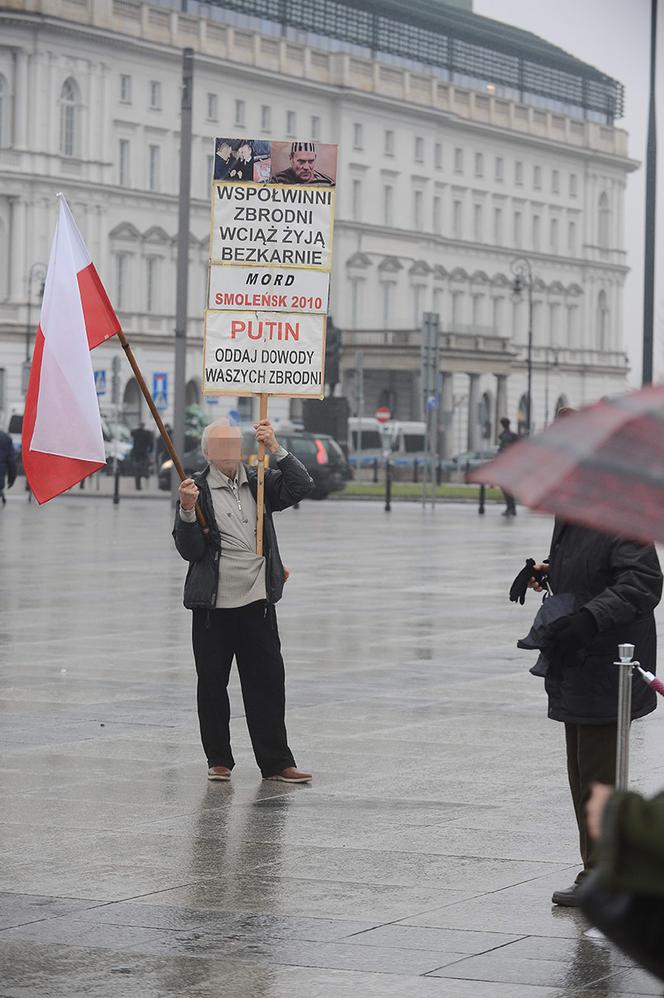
(320, 454)
(468, 460)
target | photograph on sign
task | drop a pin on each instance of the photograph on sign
(272, 225)
(269, 289)
(250, 353)
(312, 163)
(242, 159)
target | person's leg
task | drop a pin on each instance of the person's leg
(262, 677)
(596, 756)
(510, 507)
(574, 779)
(213, 638)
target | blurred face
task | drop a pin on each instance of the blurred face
(244, 153)
(224, 151)
(303, 165)
(224, 449)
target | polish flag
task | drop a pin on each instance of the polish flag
(62, 440)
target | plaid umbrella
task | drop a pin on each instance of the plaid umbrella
(602, 467)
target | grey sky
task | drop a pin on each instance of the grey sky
(612, 35)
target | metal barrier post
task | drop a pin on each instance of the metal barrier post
(480, 508)
(626, 667)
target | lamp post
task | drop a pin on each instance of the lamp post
(556, 352)
(523, 280)
(37, 272)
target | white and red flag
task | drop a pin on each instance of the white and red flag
(62, 440)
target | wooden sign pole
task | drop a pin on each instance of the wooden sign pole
(260, 494)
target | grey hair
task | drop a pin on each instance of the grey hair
(222, 421)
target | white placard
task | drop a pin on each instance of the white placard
(268, 289)
(252, 353)
(272, 225)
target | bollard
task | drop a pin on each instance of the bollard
(480, 508)
(375, 475)
(626, 666)
(388, 485)
(116, 482)
(415, 469)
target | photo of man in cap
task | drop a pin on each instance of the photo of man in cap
(302, 166)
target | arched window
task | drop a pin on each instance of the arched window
(603, 221)
(4, 112)
(69, 110)
(602, 321)
(131, 404)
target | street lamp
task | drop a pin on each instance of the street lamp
(556, 353)
(523, 280)
(37, 273)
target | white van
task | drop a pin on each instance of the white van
(366, 440)
(409, 440)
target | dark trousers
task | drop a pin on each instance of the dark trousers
(591, 758)
(249, 634)
(510, 505)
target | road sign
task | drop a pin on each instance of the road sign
(100, 382)
(234, 417)
(433, 403)
(383, 414)
(160, 389)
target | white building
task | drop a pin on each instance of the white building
(447, 174)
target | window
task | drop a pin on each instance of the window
(554, 235)
(266, 118)
(457, 219)
(209, 173)
(537, 226)
(438, 155)
(418, 201)
(518, 228)
(497, 314)
(69, 118)
(125, 88)
(571, 238)
(239, 113)
(437, 216)
(388, 192)
(499, 168)
(602, 322)
(498, 226)
(357, 199)
(291, 124)
(389, 143)
(152, 282)
(555, 182)
(572, 185)
(477, 223)
(479, 164)
(387, 296)
(315, 127)
(358, 141)
(477, 307)
(603, 221)
(518, 173)
(356, 301)
(155, 95)
(537, 178)
(124, 178)
(418, 294)
(121, 279)
(457, 305)
(572, 325)
(458, 160)
(212, 107)
(419, 149)
(154, 153)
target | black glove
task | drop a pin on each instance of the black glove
(574, 632)
(519, 587)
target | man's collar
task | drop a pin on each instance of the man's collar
(218, 480)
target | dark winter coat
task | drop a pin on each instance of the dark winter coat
(7, 460)
(284, 487)
(620, 583)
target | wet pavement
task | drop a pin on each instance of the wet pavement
(421, 861)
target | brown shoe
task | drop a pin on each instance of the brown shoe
(219, 773)
(291, 775)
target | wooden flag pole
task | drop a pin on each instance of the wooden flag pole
(260, 494)
(177, 464)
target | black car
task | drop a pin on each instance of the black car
(320, 454)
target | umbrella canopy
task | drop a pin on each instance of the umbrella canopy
(602, 466)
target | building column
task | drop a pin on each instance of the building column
(473, 404)
(447, 415)
(20, 83)
(501, 400)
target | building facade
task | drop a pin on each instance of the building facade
(447, 174)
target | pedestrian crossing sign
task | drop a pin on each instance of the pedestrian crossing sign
(160, 389)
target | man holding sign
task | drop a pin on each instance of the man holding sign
(232, 592)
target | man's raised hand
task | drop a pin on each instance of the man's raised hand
(188, 491)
